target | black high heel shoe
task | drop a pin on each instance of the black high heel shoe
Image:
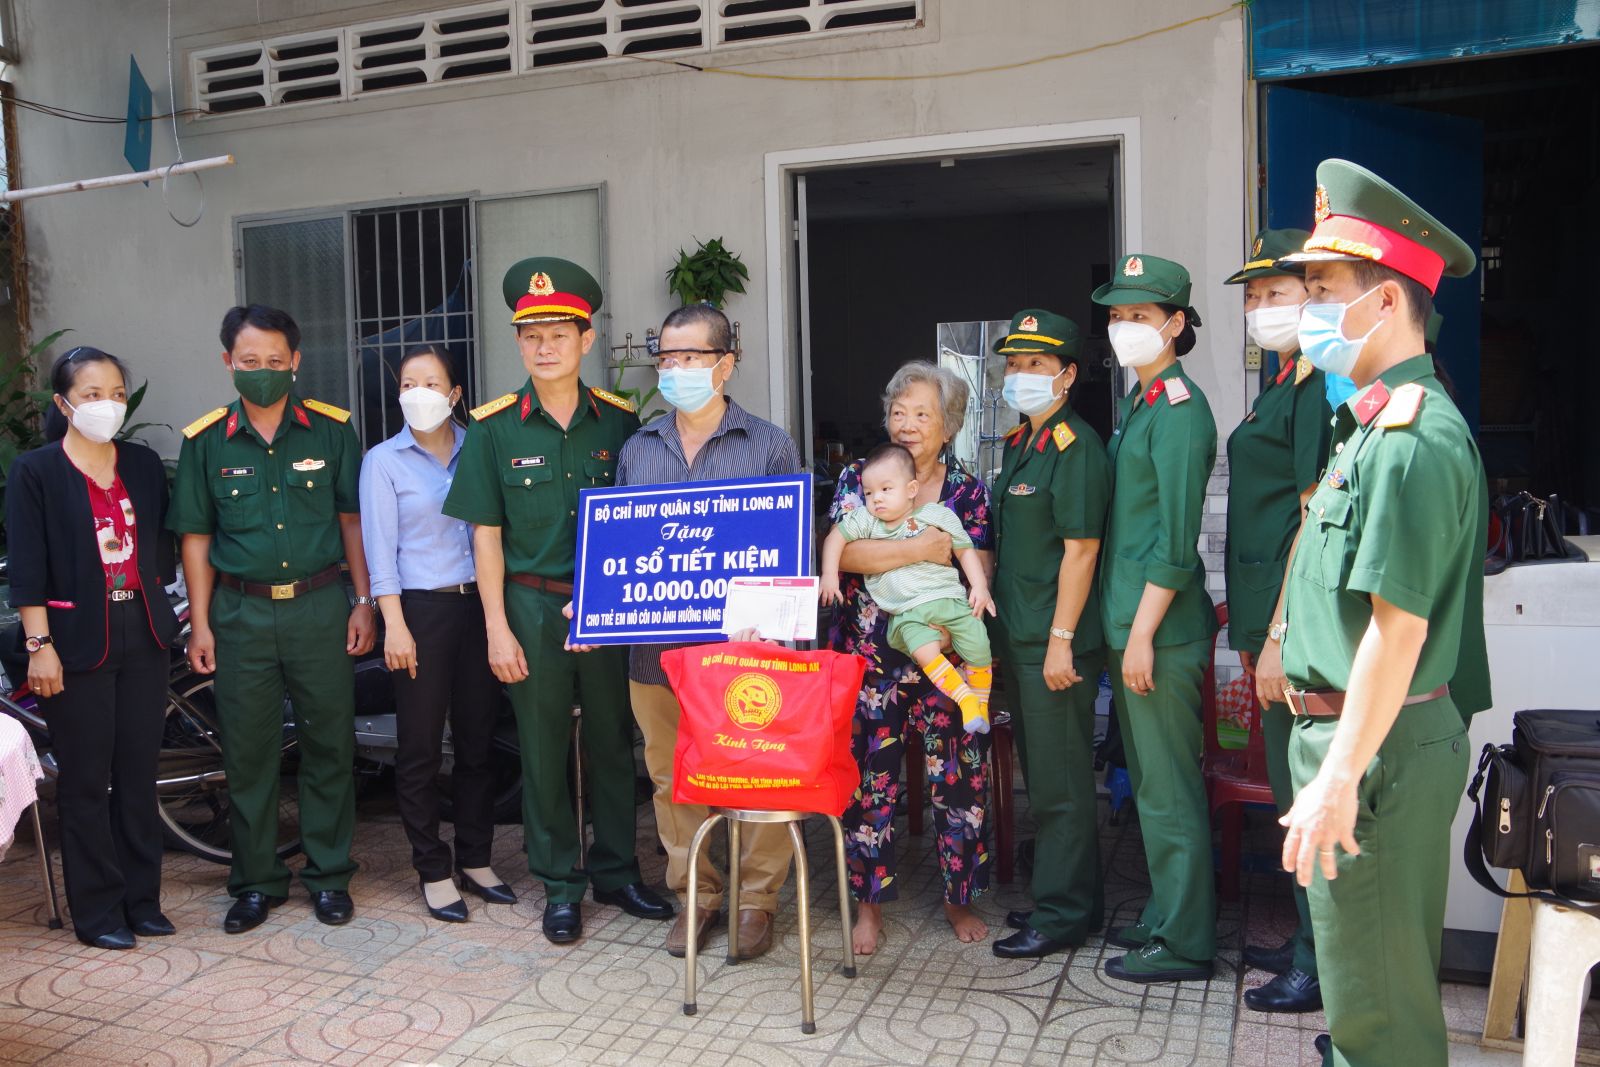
(494, 894)
(453, 912)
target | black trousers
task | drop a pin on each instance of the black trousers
(453, 678)
(105, 730)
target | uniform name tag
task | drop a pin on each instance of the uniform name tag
(527, 461)
(237, 472)
(309, 464)
(1023, 490)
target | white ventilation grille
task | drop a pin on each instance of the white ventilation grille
(507, 38)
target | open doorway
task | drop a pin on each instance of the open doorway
(893, 250)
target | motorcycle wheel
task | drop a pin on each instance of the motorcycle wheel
(192, 786)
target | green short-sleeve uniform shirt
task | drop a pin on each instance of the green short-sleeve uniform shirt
(520, 470)
(271, 507)
(1275, 454)
(1161, 456)
(1402, 514)
(1053, 486)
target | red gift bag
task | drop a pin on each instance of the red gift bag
(764, 727)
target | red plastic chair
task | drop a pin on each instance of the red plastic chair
(1234, 778)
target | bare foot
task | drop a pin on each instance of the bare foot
(965, 922)
(868, 929)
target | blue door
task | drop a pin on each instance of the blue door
(1435, 159)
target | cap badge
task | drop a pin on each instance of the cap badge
(1133, 268)
(1028, 324)
(540, 284)
(1320, 208)
(1255, 249)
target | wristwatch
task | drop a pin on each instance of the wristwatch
(1061, 632)
(370, 602)
(34, 644)
(1277, 630)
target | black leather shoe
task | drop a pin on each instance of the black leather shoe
(1028, 943)
(453, 912)
(1018, 920)
(1324, 1045)
(333, 906)
(638, 900)
(248, 912)
(1276, 960)
(120, 938)
(563, 923)
(157, 925)
(494, 894)
(1292, 991)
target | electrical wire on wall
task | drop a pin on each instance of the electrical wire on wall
(177, 145)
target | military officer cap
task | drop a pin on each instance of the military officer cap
(1141, 279)
(547, 289)
(1036, 330)
(1269, 247)
(1361, 216)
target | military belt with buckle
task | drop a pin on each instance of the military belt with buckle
(280, 590)
(1329, 703)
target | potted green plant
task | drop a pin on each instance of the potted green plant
(707, 275)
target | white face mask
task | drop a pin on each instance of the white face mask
(1137, 344)
(1277, 329)
(425, 409)
(98, 420)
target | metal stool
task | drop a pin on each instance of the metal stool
(735, 817)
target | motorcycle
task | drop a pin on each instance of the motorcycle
(191, 782)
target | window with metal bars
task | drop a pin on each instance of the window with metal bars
(412, 284)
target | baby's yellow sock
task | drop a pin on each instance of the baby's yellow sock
(980, 680)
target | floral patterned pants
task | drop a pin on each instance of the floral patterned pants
(957, 768)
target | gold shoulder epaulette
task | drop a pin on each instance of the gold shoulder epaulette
(1302, 369)
(499, 403)
(612, 398)
(334, 413)
(1063, 436)
(203, 421)
(1401, 410)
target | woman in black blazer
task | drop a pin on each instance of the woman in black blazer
(89, 561)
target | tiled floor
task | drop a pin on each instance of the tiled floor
(396, 987)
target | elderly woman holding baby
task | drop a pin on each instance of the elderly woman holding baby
(924, 407)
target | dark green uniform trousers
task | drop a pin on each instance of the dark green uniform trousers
(1275, 726)
(1055, 737)
(267, 649)
(557, 679)
(1378, 925)
(1162, 735)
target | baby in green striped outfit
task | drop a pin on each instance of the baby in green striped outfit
(922, 595)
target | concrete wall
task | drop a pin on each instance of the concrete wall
(681, 154)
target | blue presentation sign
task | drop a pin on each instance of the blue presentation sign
(654, 560)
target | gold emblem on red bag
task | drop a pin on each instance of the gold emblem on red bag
(752, 701)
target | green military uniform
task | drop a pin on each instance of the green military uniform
(1402, 514)
(272, 511)
(1162, 453)
(1053, 486)
(1276, 453)
(520, 470)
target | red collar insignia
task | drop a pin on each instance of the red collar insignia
(1157, 387)
(527, 405)
(233, 423)
(1015, 434)
(301, 417)
(1371, 402)
(1044, 435)
(1284, 372)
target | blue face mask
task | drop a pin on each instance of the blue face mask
(1031, 394)
(687, 388)
(1322, 336)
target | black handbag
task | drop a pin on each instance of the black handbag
(1524, 527)
(1537, 807)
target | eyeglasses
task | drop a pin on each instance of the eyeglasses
(687, 357)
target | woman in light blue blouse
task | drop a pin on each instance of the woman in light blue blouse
(435, 645)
